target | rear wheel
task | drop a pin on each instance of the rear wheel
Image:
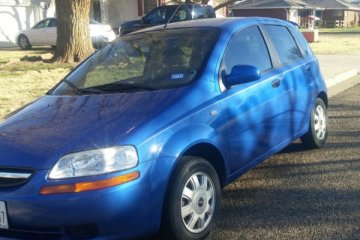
(193, 200)
(318, 128)
(23, 42)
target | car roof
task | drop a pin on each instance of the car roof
(226, 23)
(183, 4)
(48, 18)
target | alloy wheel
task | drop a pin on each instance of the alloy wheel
(198, 202)
(320, 122)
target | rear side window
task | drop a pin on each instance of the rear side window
(284, 43)
(52, 23)
(247, 47)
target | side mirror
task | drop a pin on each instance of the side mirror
(241, 74)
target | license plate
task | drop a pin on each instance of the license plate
(3, 216)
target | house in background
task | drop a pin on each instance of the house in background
(337, 13)
(331, 13)
(16, 15)
(282, 9)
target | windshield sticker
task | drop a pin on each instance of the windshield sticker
(177, 76)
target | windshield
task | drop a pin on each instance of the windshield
(142, 62)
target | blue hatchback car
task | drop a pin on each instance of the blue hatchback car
(141, 137)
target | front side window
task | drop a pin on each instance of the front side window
(163, 14)
(156, 16)
(284, 43)
(42, 24)
(247, 47)
(181, 15)
(144, 61)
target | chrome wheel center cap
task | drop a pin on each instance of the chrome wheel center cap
(199, 203)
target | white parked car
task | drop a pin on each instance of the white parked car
(44, 33)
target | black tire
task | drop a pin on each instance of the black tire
(23, 42)
(202, 208)
(318, 127)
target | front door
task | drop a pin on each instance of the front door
(43, 33)
(255, 111)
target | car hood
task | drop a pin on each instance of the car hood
(39, 134)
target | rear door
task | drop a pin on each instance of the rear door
(296, 78)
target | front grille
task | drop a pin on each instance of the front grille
(12, 177)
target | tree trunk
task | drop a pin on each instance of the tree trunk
(73, 43)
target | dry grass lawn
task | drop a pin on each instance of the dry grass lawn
(340, 30)
(25, 77)
(337, 44)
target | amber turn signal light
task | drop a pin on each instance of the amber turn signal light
(87, 186)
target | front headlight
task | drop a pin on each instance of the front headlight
(95, 162)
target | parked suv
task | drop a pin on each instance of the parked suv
(162, 15)
(142, 135)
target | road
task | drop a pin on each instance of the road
(300, 194)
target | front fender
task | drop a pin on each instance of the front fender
(189, 136)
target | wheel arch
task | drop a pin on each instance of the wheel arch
(190, 141)
(211, 154)
(198, 141)
(323, 96)
(21, 35)
(27, 39)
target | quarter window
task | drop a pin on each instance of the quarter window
(303, 45)
(284, 43)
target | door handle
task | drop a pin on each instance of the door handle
(275, 83)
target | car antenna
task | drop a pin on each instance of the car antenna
(172, 16)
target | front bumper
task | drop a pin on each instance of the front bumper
(121, 212)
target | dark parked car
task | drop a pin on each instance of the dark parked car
(143, 135)
(163, 14)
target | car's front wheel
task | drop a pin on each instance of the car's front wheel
(23, 42)
(193, 200)
(318, 128)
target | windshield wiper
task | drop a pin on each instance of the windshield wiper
(116, 87)
(82, 90)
